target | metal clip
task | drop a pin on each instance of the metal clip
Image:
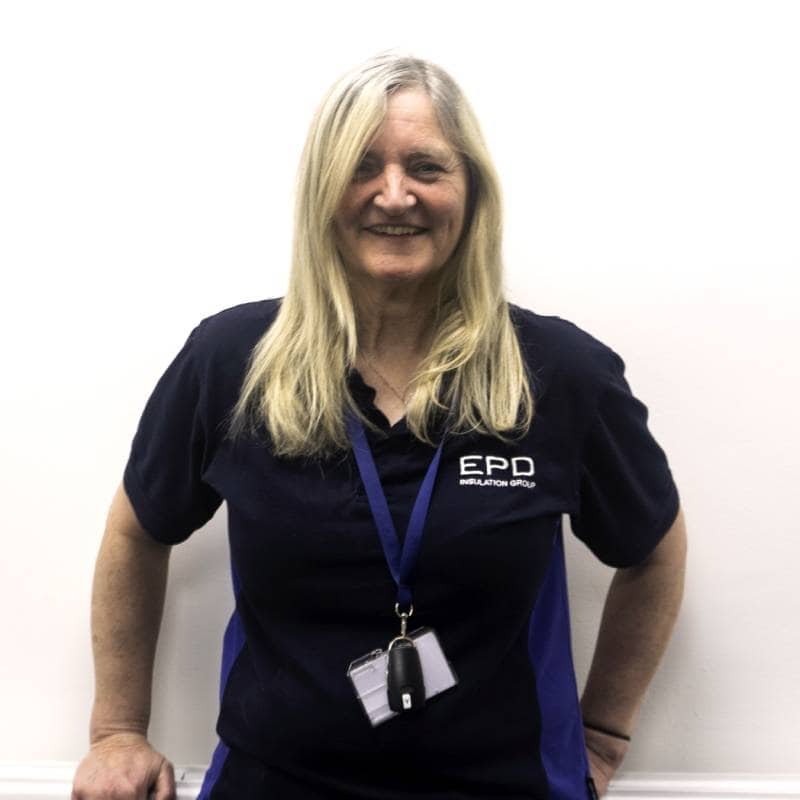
(404, 615)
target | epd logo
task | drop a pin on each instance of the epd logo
(496, 471)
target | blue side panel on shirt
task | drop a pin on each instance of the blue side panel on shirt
(563, 750)
(232, 645)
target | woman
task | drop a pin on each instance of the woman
(397, 446)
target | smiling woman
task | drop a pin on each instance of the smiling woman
(392, 386)
(402, 215)
(418, 311)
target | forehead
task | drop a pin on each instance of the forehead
(410, 124)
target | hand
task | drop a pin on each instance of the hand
(601, 771)
(124, 766)
(605, 756)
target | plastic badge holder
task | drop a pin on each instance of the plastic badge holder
(368, 675)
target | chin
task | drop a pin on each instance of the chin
(399, 275)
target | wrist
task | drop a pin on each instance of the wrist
(119, 742)
(609, 746)
(121, 730)
(614, 734)
(109, 719)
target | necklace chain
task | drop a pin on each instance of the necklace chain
(400, 397)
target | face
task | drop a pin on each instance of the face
(402, 214)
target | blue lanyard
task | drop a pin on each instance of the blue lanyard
(401, 563)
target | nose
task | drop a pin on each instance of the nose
(394, 196)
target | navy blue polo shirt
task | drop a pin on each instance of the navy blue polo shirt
(313, 591)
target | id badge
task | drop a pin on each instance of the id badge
(368, 675)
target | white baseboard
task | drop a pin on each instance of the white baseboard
(694, 786)
(53, 781)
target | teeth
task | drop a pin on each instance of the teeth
(395, 230)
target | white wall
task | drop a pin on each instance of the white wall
(649, 157)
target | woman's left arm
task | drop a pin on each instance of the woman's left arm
(638, 617)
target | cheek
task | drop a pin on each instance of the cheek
(345, 224)
(452, 210)
(455, 221)
(341, 221)
(346, 214)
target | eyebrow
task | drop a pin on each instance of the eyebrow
(435, 153)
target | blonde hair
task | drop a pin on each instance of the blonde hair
(296, 380)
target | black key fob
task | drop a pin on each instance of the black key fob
(405, 685)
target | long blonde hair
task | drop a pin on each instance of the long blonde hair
(296, 381)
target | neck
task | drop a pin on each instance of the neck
(394, 321)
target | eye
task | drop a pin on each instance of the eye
(428, 168)
(364, 169)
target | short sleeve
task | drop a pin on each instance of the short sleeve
(627, 497)
(170, 451)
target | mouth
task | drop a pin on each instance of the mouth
(396, 230)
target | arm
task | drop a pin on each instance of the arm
(127, 603)
(638, 617)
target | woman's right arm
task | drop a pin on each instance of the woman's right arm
(127, 602)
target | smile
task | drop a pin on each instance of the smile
(396, 230)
